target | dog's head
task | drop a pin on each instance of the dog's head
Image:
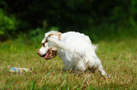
(47, 50)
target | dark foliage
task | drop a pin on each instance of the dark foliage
(67, 15)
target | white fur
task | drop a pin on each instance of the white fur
(76, 50)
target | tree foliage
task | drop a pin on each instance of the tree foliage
(7, 25)
(75, 15)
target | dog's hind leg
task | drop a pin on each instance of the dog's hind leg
(101, 71)
(80, 66)
(96, 65)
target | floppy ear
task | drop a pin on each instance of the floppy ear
(48, 34)
(58, 44)
(53, 34)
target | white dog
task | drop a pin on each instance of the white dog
(75, 49)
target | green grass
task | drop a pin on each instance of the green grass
(119, 59)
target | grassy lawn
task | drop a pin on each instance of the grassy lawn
(119, 59)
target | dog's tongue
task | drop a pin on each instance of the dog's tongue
(50, 54)
(47, 56)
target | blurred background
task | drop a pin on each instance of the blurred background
(100, 19)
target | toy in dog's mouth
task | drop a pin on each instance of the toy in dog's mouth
(50, 54)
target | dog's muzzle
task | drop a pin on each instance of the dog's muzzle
(49, 55)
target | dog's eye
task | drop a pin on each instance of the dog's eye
(43, 44)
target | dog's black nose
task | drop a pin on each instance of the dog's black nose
(37, 52)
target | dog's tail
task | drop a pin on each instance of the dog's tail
(59, 44)
(94, 47)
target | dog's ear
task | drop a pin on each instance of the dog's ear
(58, 44)
(53, 33)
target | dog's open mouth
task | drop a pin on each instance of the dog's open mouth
(50, 54)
